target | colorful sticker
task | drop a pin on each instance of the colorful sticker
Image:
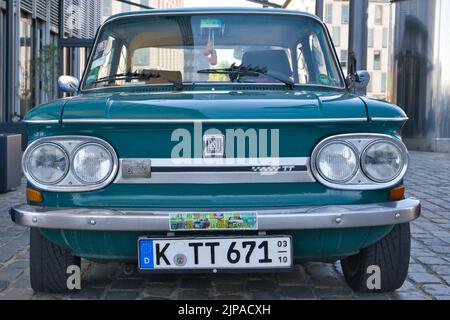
(211, 24)
(213, 221)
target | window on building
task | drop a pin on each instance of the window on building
(344, 58)
(378, 14)
(329, 13)
(370, 38)
(385, 37)
(337, 36)
(377, 60)
(383, 82)
(345, 14)
(107, 8)
(369, 85)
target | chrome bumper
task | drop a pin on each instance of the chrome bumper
(326, 217)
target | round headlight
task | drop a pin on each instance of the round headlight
(92, 164)
(337, 162)
(382, 161)
(47, 163)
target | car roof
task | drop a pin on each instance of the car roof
(216, 10)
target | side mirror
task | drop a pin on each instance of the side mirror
(358, 80)
(68, 84)
(362, 78)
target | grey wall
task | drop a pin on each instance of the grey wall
(421, 71)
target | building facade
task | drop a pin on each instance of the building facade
(336, 16)
(33, 53)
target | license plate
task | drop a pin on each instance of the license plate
(215, 253)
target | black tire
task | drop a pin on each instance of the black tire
(391, 254)
(48, 264)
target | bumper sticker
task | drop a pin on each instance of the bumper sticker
(213, 221)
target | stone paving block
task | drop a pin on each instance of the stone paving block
(121, 295)
(410, 296)
(441, 270)
(436, 289)
(127, 284)
(3, 285)
(229, 288)
(23, 282)
(422, 278)
(193, 294)
(233, 297)
(16, 294)
(92, 293)
(297, 292)
(159, 290)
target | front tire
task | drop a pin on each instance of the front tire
(48, 264)
(391, 255)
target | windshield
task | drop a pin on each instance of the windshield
(193, 49)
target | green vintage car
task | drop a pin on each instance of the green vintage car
(217, 140)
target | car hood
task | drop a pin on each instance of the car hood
(226, 105)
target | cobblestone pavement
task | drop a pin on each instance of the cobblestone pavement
(429, 272)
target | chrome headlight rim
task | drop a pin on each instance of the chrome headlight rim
(404, 160)
(69, 183)
(360, 182)
(347, 144)
(26, 162)
(112, 169)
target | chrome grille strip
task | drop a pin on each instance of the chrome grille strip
(220, 171)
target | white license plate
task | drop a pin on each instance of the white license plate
(215, 253)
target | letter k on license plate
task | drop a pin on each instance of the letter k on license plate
(215, 253)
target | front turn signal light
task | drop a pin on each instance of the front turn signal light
(397, 193)
(34, 195)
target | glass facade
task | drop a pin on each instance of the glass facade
(370, 38)
(337, 36)
(25, 57)
(2, 64)
(385, 37)
(329, 13)
(345, 13)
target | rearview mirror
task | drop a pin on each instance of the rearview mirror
(68, 84)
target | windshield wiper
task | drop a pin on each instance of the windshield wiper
(235, 72)
(139, 75)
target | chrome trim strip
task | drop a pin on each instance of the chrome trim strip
(360, 141)
(393, 119)
(316, 120)
(267, 170)
(41, 121)
(324, 217)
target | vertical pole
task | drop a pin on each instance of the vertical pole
(60, 37)
(10, 54)
(357, 40)
(319, 9)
